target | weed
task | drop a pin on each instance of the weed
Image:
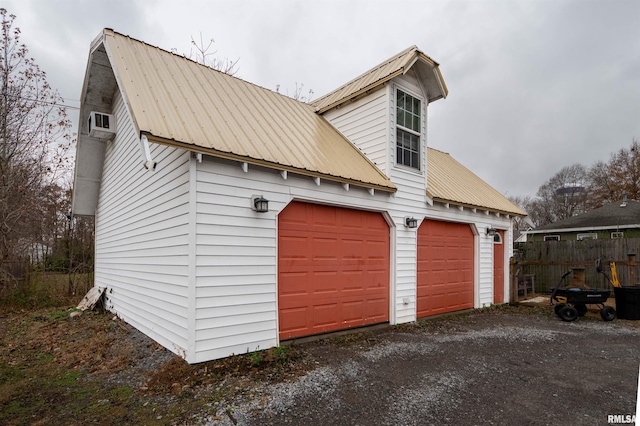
(44, 358)
(256, 358)
(9, 373)
(67, 379)
(57, 315)
(120, 393)
(44, 290)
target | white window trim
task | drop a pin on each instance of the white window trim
(497, 238)
(422, 149)
(552, 238)
(587, 236)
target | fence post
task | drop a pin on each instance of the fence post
(513, 284)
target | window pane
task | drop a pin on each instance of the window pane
(416, 123)
(407, 149)
(407, 143)
(414, 143)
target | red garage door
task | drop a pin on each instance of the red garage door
(445, 267)
(333, 269)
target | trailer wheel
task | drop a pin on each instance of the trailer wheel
(556, 308)
(568, 313)
(581, 308)
(608, 313)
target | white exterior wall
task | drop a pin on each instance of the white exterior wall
(411, 194)
(364, 122)
(142, 236)
(237, 251)
(237, 289)
(188, 262)
(370, 124)
(412, 187)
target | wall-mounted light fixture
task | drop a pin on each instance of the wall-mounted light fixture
(410, 222)
(259, 204)
(491, 231)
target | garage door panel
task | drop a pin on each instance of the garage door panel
(345, 257)
(445, 267)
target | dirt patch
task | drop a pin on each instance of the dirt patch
(498, 365)
(73, 370)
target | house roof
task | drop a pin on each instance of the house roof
(448, 181)
(426, 67)
(176, 101)
(616, 215)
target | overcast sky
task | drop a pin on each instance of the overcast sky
(533, 85)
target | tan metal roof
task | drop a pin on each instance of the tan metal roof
(179, 102)
(449, 181)
(380, 74)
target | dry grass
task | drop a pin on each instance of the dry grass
(94, 368)
(43, 290)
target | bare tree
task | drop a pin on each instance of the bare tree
(200, 53)
(34, 139)
(619, 176)
(565, 195)
(528, 204)
(297, 93)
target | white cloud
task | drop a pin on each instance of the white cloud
(534, 85)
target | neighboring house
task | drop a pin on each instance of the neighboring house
(616, 220)
(363, 223)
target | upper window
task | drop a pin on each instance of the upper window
(408, 130)
(552, 237)
(617, 235)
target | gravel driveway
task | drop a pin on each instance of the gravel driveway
(496, 366)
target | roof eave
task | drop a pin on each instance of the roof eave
(583, 228)
(390, 188)
(411, 61)
(84, 187)
(473, 206)
(364, 91)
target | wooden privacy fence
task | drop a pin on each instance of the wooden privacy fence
(546, 261)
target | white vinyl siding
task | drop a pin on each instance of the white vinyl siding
(237, 252)
(187, 261)
(235, 266)
(363, 122)
(141, 235)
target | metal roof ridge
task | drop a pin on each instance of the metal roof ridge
(379, 65)
(203, 65)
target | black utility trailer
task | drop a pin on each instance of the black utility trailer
(570, 303)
